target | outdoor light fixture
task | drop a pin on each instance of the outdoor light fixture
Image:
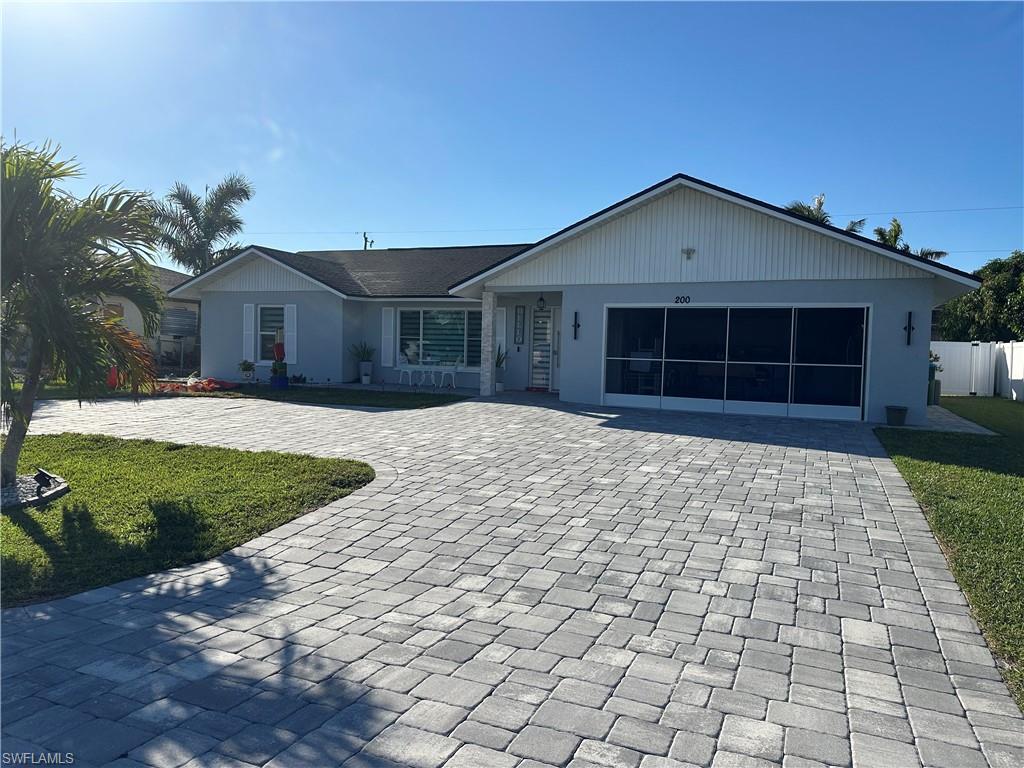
(541, 303)
(909, 327)
(43, 480)
(688, 253)
(575, 325)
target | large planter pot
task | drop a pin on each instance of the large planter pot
(247, 375)
(895, 415)
(365, 371)
(279, 382)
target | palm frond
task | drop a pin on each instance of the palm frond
(815, 210)
(932, 254)
(891, 235)
(192, 227)
(856, 226)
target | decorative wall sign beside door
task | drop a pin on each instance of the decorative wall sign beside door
(519, 327)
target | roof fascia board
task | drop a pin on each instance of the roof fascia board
(679, 181)
(570, 231)
(257, 252)
(810, 225)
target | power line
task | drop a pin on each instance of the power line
(936, 210)
(986, 250)
(553, 228)
(397, 231)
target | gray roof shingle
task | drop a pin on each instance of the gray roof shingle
(167, 279)
(394, 272)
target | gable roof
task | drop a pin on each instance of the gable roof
(381, 273)
(682, 180)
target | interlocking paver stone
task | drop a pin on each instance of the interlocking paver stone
(544, 744)
(410, 746)
(528, 583)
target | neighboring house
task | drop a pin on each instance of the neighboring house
(176, 343)
(683, 296)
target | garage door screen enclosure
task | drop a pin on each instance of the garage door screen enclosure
(796, 361)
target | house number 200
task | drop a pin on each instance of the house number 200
(682, 299)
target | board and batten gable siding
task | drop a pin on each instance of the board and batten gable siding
(731, 242)
(257, 273)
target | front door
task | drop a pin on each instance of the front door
(543, 349)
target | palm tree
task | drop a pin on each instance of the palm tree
(196, 231)
(815, 211)
(892, 236)
(61, 255)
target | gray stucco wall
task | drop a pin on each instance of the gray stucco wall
(897, 374)
(319, 330)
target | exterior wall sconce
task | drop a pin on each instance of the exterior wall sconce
(909, 327)
(688, 253)
(541, 303)
(575, 325)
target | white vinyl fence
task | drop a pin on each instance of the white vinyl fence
(983, 368)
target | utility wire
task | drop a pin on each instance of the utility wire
(396, 231)
(935, 210)
(553, 228)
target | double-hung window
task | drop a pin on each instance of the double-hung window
(271, 320)
(439, 337)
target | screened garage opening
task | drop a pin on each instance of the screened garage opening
(786, 361)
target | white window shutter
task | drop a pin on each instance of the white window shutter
(499, 331)
(290, 334)
(249, 332)
(387, 337)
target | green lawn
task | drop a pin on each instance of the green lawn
(972, 490)
(139, 506)
(336, 396)
(314, 395)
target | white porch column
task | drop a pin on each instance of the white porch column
(489, 303)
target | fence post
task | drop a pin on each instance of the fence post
(974, 366)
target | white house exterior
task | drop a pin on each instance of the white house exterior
(175, 341)
(685, 296)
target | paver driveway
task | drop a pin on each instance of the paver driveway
(528, 586)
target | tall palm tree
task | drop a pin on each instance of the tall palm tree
(815, 211)
(196, 231)
(61, 255)
(892, 236)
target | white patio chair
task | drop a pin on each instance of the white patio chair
(449, 369)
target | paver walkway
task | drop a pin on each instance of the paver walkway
(528, 586)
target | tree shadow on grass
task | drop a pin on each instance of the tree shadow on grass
(990, 453)
(83, 555)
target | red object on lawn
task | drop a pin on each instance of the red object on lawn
(112, 377)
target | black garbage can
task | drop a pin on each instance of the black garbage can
(895, 415)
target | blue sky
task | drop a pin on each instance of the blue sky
(433, 124)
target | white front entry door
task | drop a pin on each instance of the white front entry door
(544, 348)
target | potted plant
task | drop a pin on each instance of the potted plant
(499, 370)
(363, 353)
(279, 368)
(247, 367)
